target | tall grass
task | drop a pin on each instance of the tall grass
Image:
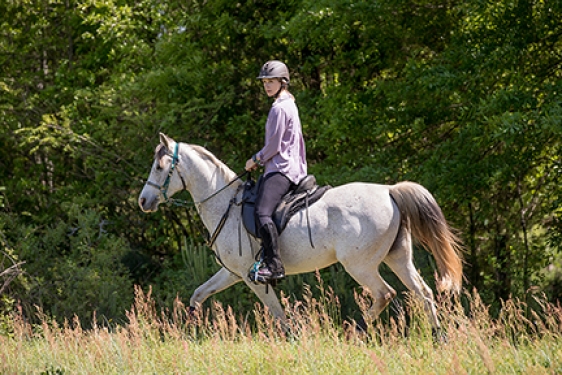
(314, 340)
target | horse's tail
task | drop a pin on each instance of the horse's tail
(428, 225)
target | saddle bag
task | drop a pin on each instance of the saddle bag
(249, 197)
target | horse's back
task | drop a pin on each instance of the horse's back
(359, 192)
(360, 205)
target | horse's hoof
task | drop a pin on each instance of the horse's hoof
(193, 315)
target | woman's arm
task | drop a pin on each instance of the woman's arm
(274, 130)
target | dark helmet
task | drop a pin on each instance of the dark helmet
(274, 69)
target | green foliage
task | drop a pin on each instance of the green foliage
(73, 267)
(462, 97)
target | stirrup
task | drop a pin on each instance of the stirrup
(271, 275)
(253, 273)
(257, 279)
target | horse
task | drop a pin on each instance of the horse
(360, 225)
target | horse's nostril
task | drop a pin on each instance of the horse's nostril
(141, 201)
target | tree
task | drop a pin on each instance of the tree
(461, 97)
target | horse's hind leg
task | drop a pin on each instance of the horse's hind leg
(400, 261)
(367, 275)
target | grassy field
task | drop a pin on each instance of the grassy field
(314, 341)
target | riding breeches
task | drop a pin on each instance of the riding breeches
(272, 189)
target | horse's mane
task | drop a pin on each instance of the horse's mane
(205, 154)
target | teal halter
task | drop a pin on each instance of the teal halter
(164, 187)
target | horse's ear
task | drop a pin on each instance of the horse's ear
(165, 140)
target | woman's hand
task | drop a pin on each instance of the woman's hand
(251, 165)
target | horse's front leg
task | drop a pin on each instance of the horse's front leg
(218, 282)
(223, 279)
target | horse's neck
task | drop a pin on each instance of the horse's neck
(206, 179)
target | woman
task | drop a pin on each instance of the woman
(284, 159)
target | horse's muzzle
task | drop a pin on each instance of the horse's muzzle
(148, 205)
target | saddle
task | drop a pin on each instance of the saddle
(306, 193)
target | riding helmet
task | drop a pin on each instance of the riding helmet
(274, 69)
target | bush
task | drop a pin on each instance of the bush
(72, 267)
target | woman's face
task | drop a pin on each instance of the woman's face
(271, 86)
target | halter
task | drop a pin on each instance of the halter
(164, 187)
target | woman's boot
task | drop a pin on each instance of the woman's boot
(272, 269)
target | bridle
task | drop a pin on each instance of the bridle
(178, 202)
(164, 187)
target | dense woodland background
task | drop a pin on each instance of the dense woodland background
(460, 96)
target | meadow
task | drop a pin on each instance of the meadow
(313, 341)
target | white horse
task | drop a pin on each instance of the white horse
(359, 225)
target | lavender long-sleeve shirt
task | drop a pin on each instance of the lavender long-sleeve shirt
(284, 149)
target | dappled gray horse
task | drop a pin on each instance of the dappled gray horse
(359, 225)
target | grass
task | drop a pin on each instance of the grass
(314, 341)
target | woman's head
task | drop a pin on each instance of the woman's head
(275, 77)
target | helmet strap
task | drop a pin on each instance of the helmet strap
(284, 86)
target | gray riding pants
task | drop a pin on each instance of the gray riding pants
(273, 187)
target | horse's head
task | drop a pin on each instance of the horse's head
(164, 179)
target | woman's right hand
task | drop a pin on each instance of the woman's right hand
(251, 165)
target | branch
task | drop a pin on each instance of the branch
(10, 274)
